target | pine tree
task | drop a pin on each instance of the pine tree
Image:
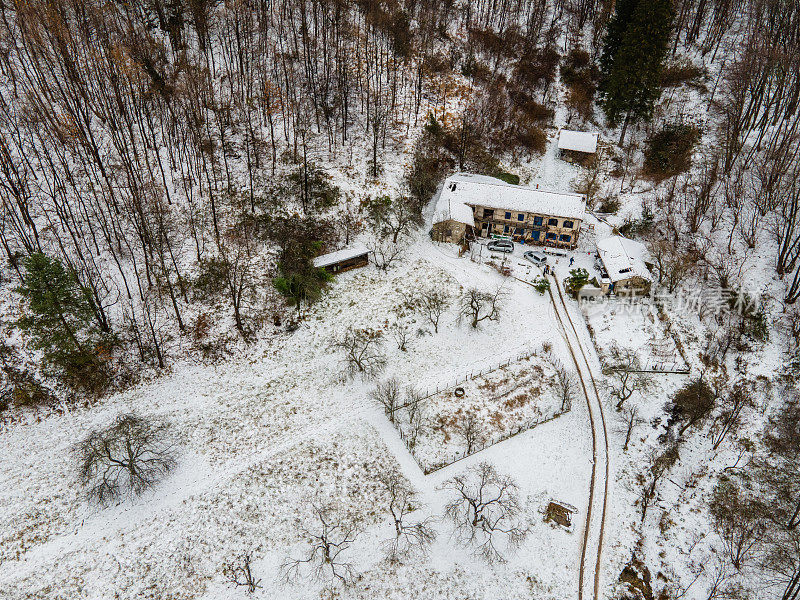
(61, 322)
(634, 49)
(300, 281)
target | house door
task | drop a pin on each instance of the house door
(535, 235)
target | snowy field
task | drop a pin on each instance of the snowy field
(266, 437)
(634, 326)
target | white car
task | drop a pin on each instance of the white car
(501, 246)
(537, 258)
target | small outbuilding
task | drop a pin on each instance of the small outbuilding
(627, 266)
(350, 257)
(559, 513)
(577, 146)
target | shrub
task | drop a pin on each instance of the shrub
(680, 72)
(692, 403)
(541, 285)
(531, 137)
(609, 205)
(581, 77)
(669, 152)
(508, 177)
(576, 280)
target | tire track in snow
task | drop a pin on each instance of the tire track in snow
(599, 431)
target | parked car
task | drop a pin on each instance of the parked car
(537, 258)
(501, 246)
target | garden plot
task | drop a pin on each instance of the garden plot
(633, 329)
(483, 410)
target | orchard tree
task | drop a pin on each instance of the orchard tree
(632, 59)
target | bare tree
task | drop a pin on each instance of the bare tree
(478, 306)
(468, 427)
(631, 420)
(565, 385)
(738, 520)
(362, 350)
(659, 464)
(326, 557)
(433, 303)
(730, 416)
(486, 511)
(402, 334)
(415, 412)
(128, 457)
(388, 395)
(385, 252)
(410, 536)
(240, 574)
(781, 562)
(625, 378)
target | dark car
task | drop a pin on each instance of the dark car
(501, 246)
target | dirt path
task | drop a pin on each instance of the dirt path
(594, 528)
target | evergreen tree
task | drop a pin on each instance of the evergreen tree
(61, 322)
(300, 281)
(634, 48)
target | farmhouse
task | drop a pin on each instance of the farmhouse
(577, 146)
(625, 263)
(350, 257)
(500, 209)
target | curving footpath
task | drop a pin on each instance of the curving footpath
(594, 528)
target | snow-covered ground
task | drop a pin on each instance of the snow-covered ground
(265, 435)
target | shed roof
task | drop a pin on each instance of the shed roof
(579, 141)
(624, 258)
(467, 190)
(352, 251)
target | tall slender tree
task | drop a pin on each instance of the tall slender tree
(632, 59)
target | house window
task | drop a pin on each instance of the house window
(566, 238)
(537, 221)
(552, 222)
(568, 224)
(521, 217)
(520, 231)
(508, 216)
(552, 236)
(488, 213)
(505, 229)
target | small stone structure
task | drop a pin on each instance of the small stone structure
(560, 513)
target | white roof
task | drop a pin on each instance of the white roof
(463, 190)
(346, 253)
(450, 206)
(578, 141)
(624, 258)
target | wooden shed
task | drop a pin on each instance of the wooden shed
(577, 146)
(350, 257)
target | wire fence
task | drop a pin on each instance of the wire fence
(454, 457)
(466, 376)
(407, 432)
